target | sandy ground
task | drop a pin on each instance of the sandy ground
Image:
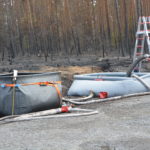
(120, 125)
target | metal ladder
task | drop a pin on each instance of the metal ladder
(142, 35)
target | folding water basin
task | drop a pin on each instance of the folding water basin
(114, 83)
(31, 92)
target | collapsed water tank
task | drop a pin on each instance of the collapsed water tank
(114, 83)
(31, 92)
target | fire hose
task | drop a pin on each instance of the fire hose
(53, 113)
(131, 68)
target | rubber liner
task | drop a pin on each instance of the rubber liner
(106, 76)
(30, 98)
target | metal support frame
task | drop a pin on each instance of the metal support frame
(142, 36)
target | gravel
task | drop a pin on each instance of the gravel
(120, 125)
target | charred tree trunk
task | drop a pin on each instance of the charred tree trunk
(121, 51)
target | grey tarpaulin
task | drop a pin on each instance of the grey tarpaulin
(32, 97)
